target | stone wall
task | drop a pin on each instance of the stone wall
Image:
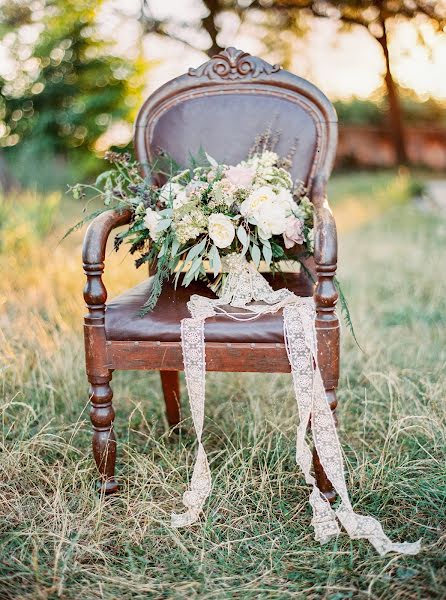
(370, 147)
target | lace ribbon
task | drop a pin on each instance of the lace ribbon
(247, 289)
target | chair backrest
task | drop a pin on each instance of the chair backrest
(222, 105)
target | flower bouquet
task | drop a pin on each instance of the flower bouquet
(207, 211)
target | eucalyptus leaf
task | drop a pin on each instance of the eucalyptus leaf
(211, 160)
(215, 260)
(196, 264)
(175, 246)
(138, 227)
(267, 254)
(255, 255)
(192, 272)
(242, 236)
(195, 250)
(163, 224)
(103, 176)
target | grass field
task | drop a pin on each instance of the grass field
(58, 540)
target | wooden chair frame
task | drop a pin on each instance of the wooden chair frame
(229, 70)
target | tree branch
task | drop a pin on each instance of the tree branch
(210, 26)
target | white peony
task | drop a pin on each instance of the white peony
(251, 207)
(271, 219)
(151, 220)
(221, 230)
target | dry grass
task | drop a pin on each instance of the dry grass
(58, 540)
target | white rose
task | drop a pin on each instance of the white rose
(285, 198)
(271, 219)
(221, 230)
(169, 191)
(151, 220)
(251, 207)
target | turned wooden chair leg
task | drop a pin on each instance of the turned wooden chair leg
(102, 416)
(170, 381)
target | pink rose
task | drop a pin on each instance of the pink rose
(294, 232)
(240, 176)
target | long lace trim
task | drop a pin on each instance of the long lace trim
(245, 288)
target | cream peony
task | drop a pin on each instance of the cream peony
(240, 176)
(294, 232)
(271, 219)
(151, 221)
(252, 206)
(221, 230)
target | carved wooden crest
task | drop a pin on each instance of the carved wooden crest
(233, 64)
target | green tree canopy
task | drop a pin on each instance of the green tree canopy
(68, 85)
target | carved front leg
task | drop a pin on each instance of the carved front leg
(102, 416)
(99, 375)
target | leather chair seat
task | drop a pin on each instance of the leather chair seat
(122, 321)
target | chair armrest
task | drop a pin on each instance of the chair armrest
(93, 255)
(325, 252)
(95, 240)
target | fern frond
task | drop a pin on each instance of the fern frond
(80, 224)
(346, 312)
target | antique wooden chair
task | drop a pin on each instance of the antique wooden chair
(222, 105)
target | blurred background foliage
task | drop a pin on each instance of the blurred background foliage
(67, 90)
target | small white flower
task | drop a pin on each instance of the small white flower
(180, 199)
(151, 220)
(223, 192)
(169, 191)
(285, 198)
(221, 230)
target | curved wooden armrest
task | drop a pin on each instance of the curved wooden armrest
(95, 240)
(93, 255)
(325, 252)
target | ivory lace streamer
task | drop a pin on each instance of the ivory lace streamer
(247, 289)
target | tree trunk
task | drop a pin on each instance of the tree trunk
(8, 183)
(209, 25)
(395, 112)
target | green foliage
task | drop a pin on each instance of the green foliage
(369, 112)
(360, 112)
(70, 87)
